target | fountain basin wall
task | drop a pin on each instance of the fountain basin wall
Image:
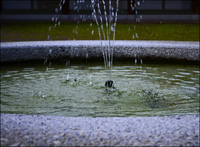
(106, 131)
(87, 50)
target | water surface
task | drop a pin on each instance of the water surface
(79, 89)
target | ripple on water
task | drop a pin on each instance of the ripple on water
(34, 91)
(184, 73)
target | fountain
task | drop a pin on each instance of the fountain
(73, 85)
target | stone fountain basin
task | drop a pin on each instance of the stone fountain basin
(123, 50)
(39, 130)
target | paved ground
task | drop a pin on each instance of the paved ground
(39, 130)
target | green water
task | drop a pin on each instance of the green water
(79, 89)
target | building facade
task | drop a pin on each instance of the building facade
(83, 7)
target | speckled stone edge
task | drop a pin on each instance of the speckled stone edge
(40, 130)
(87, 49)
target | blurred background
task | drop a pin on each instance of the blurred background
(183, 9)
(73, 20)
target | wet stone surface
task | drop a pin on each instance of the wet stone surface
(39, 130)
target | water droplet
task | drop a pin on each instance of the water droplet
(112, 28)
(56, 19)
(52, 19)
(135, 61)
(82, 1)
(45, 61)
(67, 62)
(136, 35)
(59, 23)
(56, 10)
(55, 25)
(50, 51)
(60, 8)
(113, 13)
(138, 3)
(67, 77)
(92, 32)
(133, 37)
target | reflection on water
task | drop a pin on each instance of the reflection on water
(79, 90)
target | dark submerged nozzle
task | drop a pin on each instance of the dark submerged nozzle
(109, 84)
